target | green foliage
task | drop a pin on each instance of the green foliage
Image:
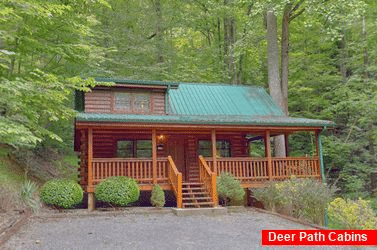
(61, 193)
(348, 214)
(28, 195)
(44, 46)
(229, 188)
(158, 196)
(300, 198)
(118, 190)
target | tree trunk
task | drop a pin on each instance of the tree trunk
(285, 56)
(273, 75)
(342, 59)
(160, 57)
(366, 80)
(229, 41)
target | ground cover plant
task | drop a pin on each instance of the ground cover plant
(118, 190)
(61, 193)
(300, 198)
(349, 214)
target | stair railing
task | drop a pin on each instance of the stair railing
(208, 178)
(175, 178)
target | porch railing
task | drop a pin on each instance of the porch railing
(283, 168)
(175, 178)
(138, 168)
(208, 177)
(248, 169)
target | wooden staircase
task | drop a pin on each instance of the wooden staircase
(195, 195)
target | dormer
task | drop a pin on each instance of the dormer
(127, 97)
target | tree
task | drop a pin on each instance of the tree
(273, 75)
(44, 46)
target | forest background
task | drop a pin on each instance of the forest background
(48, 49)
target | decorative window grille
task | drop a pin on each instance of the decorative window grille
(123, 102)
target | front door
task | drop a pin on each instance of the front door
(177, 151)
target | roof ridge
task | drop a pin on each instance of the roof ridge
(156, 82)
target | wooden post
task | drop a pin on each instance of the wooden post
(214, 190)
(179, 194)
(91, 202)
(267, 145)
(214, 152)
(154, 156)
(286, 140)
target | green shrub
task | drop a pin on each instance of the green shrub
(158, 196)
(348, 214)
(118, 190)
(300, 198)
(27, 193)
(61, 193)
(229, 188)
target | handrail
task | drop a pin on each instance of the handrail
(208, 177)
(175, 178)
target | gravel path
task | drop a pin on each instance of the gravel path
(150, 231)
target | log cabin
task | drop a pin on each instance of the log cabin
(181, 136)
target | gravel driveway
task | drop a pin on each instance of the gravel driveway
(151, 230)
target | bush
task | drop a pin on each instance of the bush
(118, 190)
(348, 214)
(229, 188)
(300, 198)
(158, 196)
(61, 193)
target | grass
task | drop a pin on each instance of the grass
(68, 166)
(10, 172)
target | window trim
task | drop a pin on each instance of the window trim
(134, 148)
(132, 109)
(217, 149)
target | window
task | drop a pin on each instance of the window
(222, 147)
(134, 149)
(138, 103)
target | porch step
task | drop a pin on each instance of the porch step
(196, 198)
(195, 195)
(198, 205)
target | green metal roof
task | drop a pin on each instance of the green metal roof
(217, 99)
(212, 104)
(205, 120)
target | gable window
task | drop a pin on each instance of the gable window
(134, 149)
(137, 103)
(222, 147)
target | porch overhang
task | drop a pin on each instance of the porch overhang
(282, 123)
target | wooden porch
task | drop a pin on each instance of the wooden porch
(251, 172)
(175, 162)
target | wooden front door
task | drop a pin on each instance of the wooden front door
(177, 145)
